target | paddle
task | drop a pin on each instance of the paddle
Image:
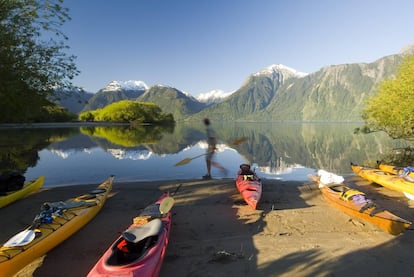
(166, 204)
(21, 239)
(188, 160)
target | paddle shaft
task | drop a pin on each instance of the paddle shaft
(188, 160)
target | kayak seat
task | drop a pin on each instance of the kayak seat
(152, 211)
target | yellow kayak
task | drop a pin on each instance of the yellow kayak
(395, 169)
(28, 188)
(56, 222)
(386, 179)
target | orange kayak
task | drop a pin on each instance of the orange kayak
(355, 204)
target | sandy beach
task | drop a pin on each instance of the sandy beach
(294, 232)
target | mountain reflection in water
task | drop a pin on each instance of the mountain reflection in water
(85, 155)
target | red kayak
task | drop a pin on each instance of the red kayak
(140, 250)
(249, 185)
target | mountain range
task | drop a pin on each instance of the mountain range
(335, 93)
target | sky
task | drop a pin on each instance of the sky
(198, 46)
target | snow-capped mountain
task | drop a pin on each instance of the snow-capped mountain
(115, 91)
(212, 97)
(125, 85)
(277, 68)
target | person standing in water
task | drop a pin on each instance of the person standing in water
(211, 149)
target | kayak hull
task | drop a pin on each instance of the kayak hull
(385, 179)
(250, 190)
(148, 263)
(49, 235)
(361, 208)
(28, 188)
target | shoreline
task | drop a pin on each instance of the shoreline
(59, 124)
(294, 232)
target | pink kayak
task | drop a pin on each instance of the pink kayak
(140, 250)
(249, 185)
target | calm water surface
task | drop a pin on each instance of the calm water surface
(85, 155)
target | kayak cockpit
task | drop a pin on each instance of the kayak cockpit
(134, 243)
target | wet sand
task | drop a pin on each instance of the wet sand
(294, 232)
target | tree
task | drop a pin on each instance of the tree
(129, 111)
(33, 61)
(392, 109)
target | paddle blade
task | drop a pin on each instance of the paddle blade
(21, 239)
(166, 204)
(239, 140)
(183, 162)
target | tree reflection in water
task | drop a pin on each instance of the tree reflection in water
(279, 150)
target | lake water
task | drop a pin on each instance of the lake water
(286, 151)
